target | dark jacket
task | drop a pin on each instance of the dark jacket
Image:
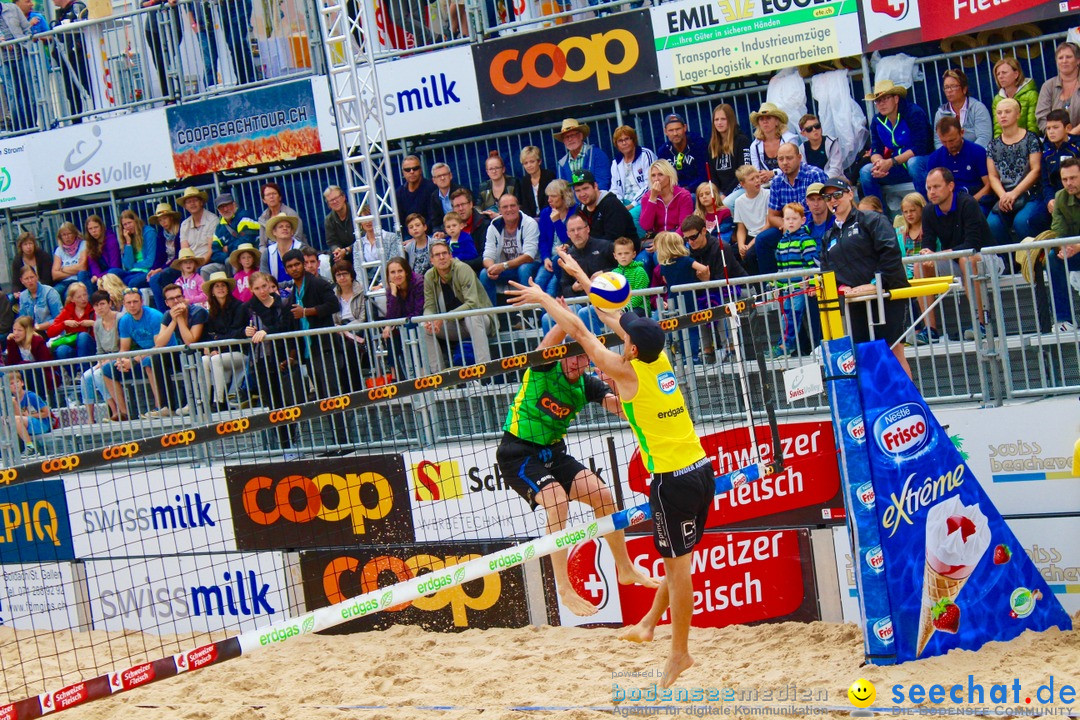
(273, 319)
(486, 200)
(597, 256)
(318, 294)
(7, 315)
(692, 167)
(722, 168)
(478, 227)
(44, 270)
(865, 245)
(610, 219)
(412, 305)
(721, 259)
(530, 206)
(229, 324)
(435, 210)
(964, 227)
(415, 201)
(912, 132)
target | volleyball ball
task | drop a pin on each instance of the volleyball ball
(610, 291)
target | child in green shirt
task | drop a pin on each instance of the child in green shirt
(633, 271)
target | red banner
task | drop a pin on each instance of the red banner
(739, 578)
(893, 23)
(806, 492)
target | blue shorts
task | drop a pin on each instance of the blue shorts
(38, 426)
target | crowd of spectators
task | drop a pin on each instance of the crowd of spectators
(721, 204)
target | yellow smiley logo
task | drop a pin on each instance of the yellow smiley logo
(862, 693)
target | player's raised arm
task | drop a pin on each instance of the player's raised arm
(610, 362)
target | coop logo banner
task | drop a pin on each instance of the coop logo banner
(326, 503)
(568, 65)
(496, 600)
(430, 92)
(34, 524)
(957, 576)
(111, 154)
(698, 42)
(259, 126)
(180, 511)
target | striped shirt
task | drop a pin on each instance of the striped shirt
(795, 251)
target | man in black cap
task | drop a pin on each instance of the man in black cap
(860, 245)
(683, 483)
(687, 152)
(607, 217)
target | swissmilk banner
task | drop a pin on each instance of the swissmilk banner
(893, 23)
(956, 575)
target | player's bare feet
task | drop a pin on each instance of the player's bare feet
(577, 604)
(630, 575)
(640, 633)
(675, 666)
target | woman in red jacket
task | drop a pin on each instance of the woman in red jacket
(72, 332)
(26, 346)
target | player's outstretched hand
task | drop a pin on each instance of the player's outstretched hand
(569, 264)
(531, 294)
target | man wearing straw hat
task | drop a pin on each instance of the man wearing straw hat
(581, 156)
(197, 230)
(900, 142)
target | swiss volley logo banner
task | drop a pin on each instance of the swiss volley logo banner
(957, 576)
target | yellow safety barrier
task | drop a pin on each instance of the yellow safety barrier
(922, 290)
(931, 280)
(832, 323)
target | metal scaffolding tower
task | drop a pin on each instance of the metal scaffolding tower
(350, 60)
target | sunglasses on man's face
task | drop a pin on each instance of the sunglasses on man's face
(812, 128)
(412, 169)
(691, 238)
(835, 195)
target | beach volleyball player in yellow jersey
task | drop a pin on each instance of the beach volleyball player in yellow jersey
(682, 478)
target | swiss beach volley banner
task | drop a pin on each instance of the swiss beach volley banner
(739, 577)
(496, 600)
(265, 125)
(320, 503)
(893, 23)
(957, 576)
(805, 492)
(568, 65)
(711, 41)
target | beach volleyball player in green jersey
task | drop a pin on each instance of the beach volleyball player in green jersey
(683, 483)
(533, 460)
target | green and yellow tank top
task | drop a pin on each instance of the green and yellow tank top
(660, 420)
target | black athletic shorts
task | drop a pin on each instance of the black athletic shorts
(528, 467)
(680, 502)
(895, 321)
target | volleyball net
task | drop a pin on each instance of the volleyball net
(128, 564)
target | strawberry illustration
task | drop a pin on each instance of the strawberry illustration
(946, 615)
(1002, 554)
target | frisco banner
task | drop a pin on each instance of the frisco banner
(957, 576)
(265, 125)
(699, 42)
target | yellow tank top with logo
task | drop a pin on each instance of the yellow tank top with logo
(660, 420)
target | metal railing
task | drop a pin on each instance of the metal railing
(1021, 350)
(150, 56)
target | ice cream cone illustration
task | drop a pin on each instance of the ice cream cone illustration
(957, 537)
